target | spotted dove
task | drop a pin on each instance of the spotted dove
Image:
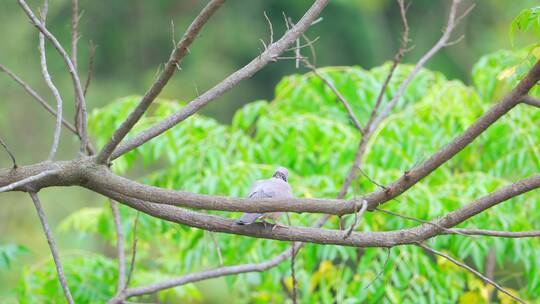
(275, 187)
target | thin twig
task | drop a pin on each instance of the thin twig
(37, 97)
(218, 248)
(467, 267)
(90, 73)
(447, 230)
(50, 84)
(382, 270)
(270, 27)
(133, 250)
(338, 94)
(9, 152)
(293, 275)
(28, 180)
(357, 215)
(119, 246)
(496, 233)
(52, 246)
(370, 126)
(450, 26)
(71, 68)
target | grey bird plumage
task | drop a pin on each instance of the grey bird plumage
(275, 187)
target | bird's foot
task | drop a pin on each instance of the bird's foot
(278, 225)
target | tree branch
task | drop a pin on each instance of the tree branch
(443, 41)
(370, 126)
(178, 53)
(119, 246)
(50, 84)
(496, 233)
(328, 236)
(269, 55)
(336, 92)
(28, 180)
(3, 144)
(411, 177)
(90, 68)
(52, 246)
(71, 68)
(467, 267)
(207, 274)
(36, 96)
(532, 101)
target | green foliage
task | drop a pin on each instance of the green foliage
(527, 20)
(91, 278)
(9, 253)
(306, 129)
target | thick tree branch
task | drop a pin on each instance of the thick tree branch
(327, 236)
(52, 246)
(178, 53)
(50, 84)
(469, 268)
(269, 55)
(28, 180)
(71, 68)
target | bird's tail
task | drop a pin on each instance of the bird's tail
(248, 218)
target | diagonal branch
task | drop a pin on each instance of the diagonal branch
(411, 177)
(178, 53)
(3, 144)
(37, 97)
(469, 268)
(336, 92)
(532, 101)
(71, 68)
(453, 20)
(269, 55)
(52, 246)
(50, 84)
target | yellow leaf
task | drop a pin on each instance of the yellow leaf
(506, 73)
(325, 266)
(288, 283)
(536, 51)
(471, 297)
(506, 299)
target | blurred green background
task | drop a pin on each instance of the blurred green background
(134, 38)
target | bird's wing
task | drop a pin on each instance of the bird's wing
(267, 188)
(256, 191)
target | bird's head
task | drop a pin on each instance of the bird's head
(282, 173)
